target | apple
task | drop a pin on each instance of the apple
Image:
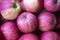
(27, 22)
(3, 1)
(49, 35)
(10, 10)
(50, 5)
(10, 30)
(47, 21)
(28, 37)
(32, 5)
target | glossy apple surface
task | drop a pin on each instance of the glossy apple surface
(32, 5)
(27, 22)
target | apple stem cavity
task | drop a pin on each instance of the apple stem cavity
(15, 6)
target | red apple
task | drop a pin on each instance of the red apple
(29, 37)
(50, 5)
(32, 5)
(10, 10)
(10, 31)
(27, 22)
(49, 36)
(47, 21)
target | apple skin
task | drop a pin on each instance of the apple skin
(47, 21)
(29, 37)
(10, 30)
(27, 22)
(49, 35)
(22, 5)
(9, 11)
(50, 5)
(32, 5)
(5, 5)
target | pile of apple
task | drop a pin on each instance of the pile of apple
(29, 19)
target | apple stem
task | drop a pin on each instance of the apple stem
(15, 4)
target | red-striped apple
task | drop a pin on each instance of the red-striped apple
(50, 5)
(10, 30)
(47, 21)
(50, 35)
(27, 22)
